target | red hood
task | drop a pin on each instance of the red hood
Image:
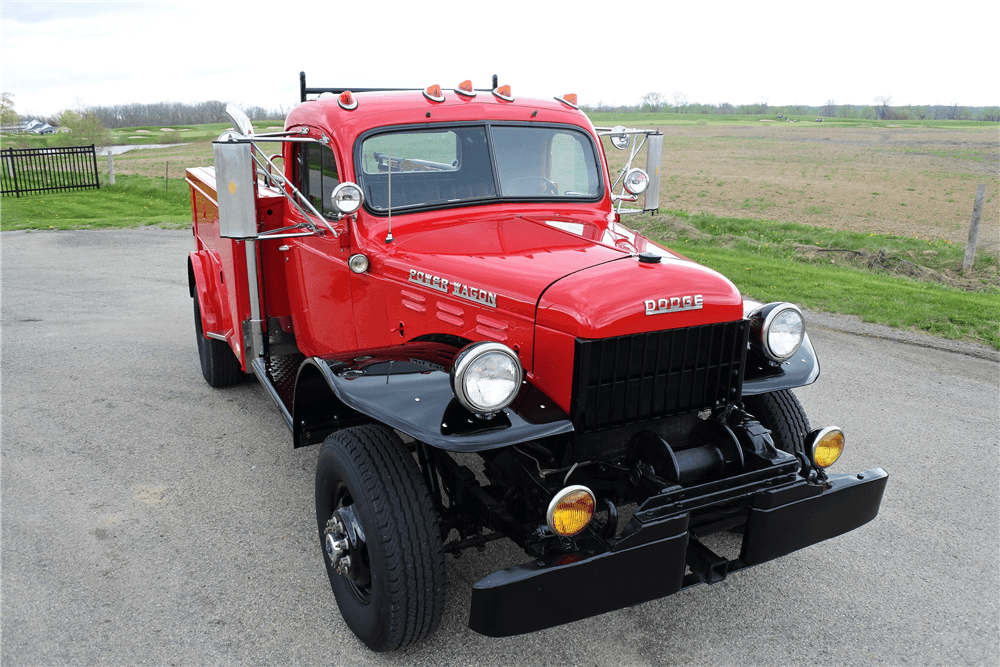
(513, 258)
(512, 278)
(628, 296)
(579, 285)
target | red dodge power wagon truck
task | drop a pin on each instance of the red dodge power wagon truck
(435, 286)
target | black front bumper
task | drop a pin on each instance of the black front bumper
(649, 560)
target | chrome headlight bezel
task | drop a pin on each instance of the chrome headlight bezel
(465, 363)
(763, 330)
(636, 181)
(557, 501)
(344, 201)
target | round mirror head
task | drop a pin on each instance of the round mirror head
(346, 198)
(619, 139)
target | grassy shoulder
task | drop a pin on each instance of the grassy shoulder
(910, 283)
(133, 201)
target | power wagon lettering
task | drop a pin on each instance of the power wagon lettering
(461, 290)
(427, 280)
(475, 294)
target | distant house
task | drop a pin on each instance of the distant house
(36, 126)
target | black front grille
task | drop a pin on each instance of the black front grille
(631, 379)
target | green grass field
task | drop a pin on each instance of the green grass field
(133, 201)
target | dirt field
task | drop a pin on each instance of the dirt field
(906, 181)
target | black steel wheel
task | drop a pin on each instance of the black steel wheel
(379, 533)
(782, 413)
(219, 365)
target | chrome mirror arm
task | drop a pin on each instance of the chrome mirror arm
(296, 194)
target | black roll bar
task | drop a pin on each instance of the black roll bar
(303, 91)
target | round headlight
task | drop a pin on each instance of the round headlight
(777, 330)
(784, 329)
(346, 198)
(636, 181)
(486, 377)
(358, 263)
(571, 510)
(618, 137)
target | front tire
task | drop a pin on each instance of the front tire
(782, 413)
(391, 594)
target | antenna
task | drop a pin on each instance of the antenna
(388, 237)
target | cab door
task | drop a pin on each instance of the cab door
(319, 283)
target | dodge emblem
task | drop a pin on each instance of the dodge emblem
(674, 304)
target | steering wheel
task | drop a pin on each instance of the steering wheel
(548, 187)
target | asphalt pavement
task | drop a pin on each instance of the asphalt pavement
(148, 519)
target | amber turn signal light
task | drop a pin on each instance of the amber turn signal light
(825, 446)
(571, 510)
(503, 92)
(434, 94)
(570, 99)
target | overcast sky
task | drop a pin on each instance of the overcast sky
(59, 55)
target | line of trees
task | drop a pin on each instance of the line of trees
(881, 109)
(163, 114)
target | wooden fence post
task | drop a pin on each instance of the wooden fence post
(111, 167)
(977, 212)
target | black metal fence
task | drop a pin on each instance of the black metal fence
(30, 170)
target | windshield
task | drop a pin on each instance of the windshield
(434, 167)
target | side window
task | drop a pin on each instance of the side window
(319, 177)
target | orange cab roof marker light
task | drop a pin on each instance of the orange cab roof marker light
(569, 99)
(347, 100)
(503, 93)
(465, 89)
(434, 94)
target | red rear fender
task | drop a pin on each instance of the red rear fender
(202, 287)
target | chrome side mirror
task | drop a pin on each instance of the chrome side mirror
(619, 138)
